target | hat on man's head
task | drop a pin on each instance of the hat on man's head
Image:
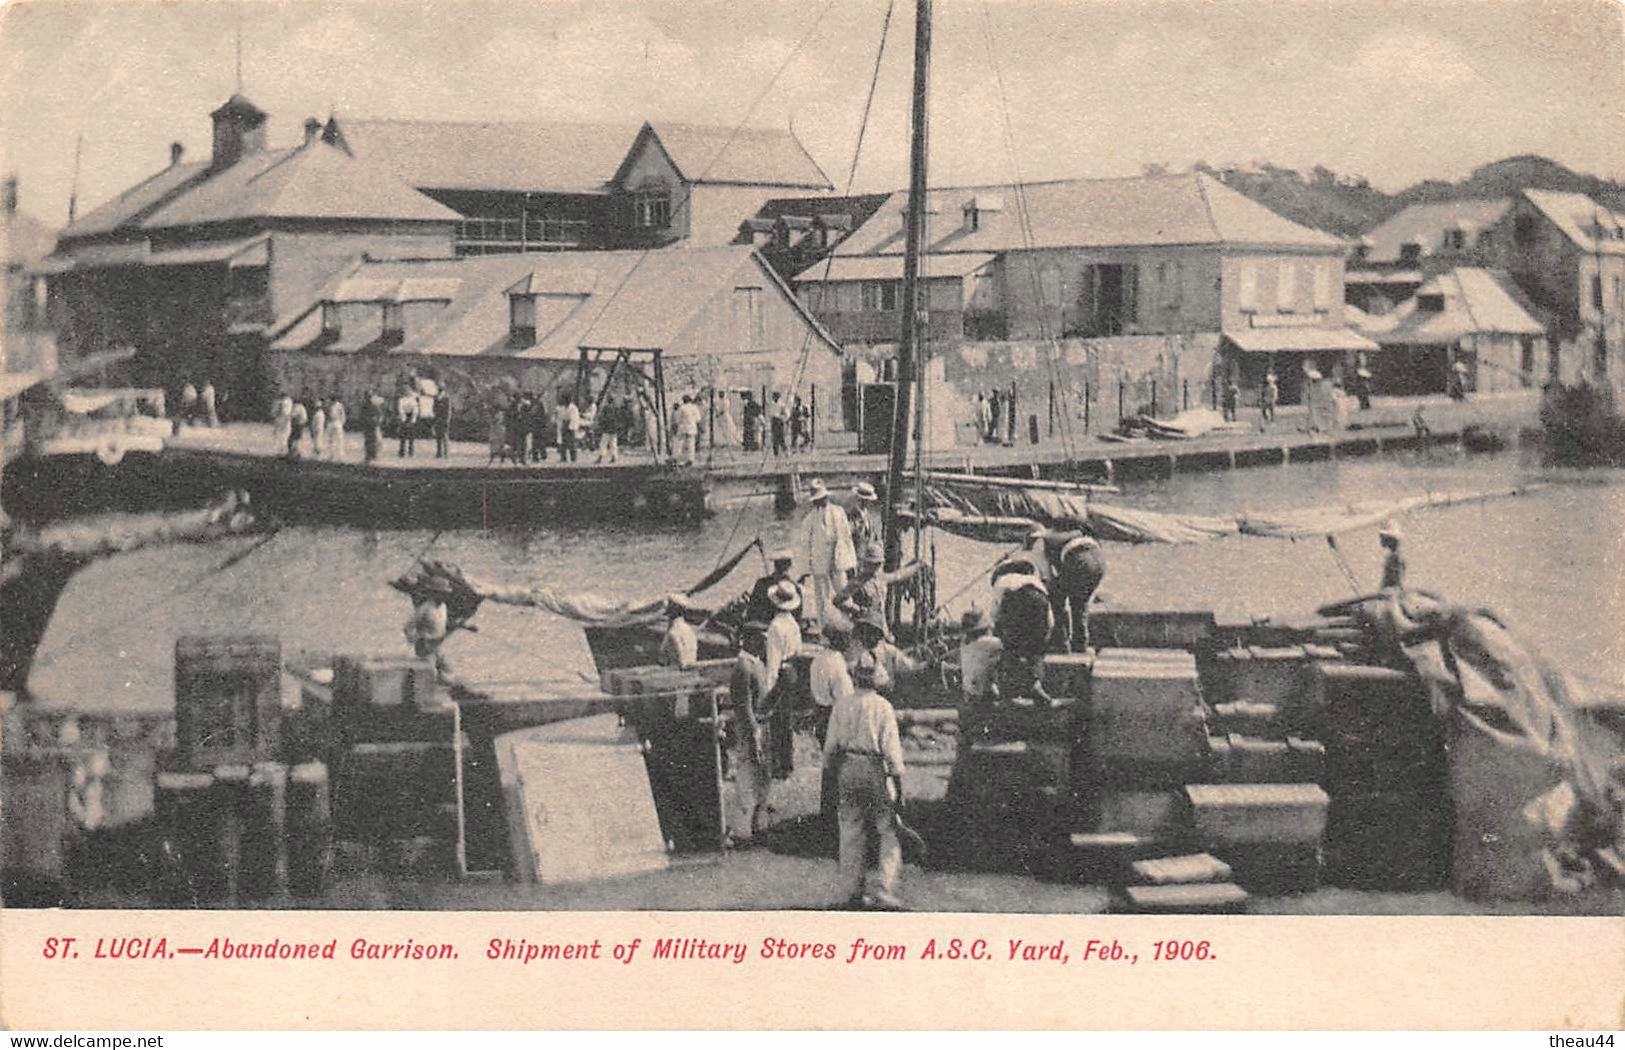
(816, 490)
(867, 673)
(874, 553)
(783, 554)
(976, 621)
(1389, 531)
(785, 595)
(864, 491)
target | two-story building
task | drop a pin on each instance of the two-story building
(529, 186)
(191, 266)
(1131, 294)
(1394, 257)
(718, 319)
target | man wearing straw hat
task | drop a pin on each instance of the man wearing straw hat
(866, 749)
(826, 536)
(760, 605)
(864, 512)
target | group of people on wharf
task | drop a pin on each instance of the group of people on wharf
(523, 428)
(315, 426)
(835, 612)
(996, 416)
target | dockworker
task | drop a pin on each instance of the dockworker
(281, 422)
(874, 641)
(1022, 620)
(866, 750)
(1072, 567)
(828, 679)
(406, 418)
(318, 428)
(750, 417)
(978, 656)
(760, 606)
(188, 402)
(1269, 397)
(337, 420)
(779, 417)
(429, 624)
(747, 690)
(1393, 562)
(826, 537)
(1232, 399)
(864, 512)
(783, 631)
(869, 587)
(680, 647)
(298, 416)
(1362, 387)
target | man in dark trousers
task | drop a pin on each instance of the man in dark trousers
(442, 424)
(372, 424)
(751, 418)
(1072, 567)
(1022, 621)
(761, 606)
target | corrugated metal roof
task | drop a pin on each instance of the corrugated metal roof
(429, 154)
(312, 181)
(1425, 225)
(1579, 217)
(128, 208)
(1476, 301)
(635, 300)
(760, 156)
(1146, 211)
(1281, 340)
(890, 267)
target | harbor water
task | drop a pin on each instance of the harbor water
(1551, 563)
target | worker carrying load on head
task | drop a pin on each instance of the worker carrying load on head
(1072, 565)
(866, 749)
(1393, 562)
(1022, 621)
(761, 606)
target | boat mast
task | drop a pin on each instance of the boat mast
(910, 338)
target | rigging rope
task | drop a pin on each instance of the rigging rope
(829, 261)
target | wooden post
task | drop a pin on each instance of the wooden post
(1086, 393)
(1052, 408)
(1185, 393)
(1153, 397)
(812, 418)
(1120, 392)
(711, 418)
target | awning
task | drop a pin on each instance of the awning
(1303, 340)
(241, 251)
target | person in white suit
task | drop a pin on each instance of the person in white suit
(826, 536)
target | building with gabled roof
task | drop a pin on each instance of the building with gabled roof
(191, 265)
(719, 318)
(1158, 286)
(1467, 315)
(537, 186)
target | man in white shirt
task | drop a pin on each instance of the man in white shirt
(896, 666)
(978, 656)
(865, 744)
(680, 648)
(829, 679)
(783, 633)
(826, 536)
(686, 428)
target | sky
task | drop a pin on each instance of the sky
(1021, 89)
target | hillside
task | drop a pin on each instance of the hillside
(1349, 205)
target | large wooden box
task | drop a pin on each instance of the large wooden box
(228, 699)
(1146, 713)
(1232, 814)
(383, 681)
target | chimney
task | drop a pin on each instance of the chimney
(176, 152)
(313, 130)
(8, 195)
(239, 128)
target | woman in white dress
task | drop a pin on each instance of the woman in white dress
(336, 418)
(727, 429)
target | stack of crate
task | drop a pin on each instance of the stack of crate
(1390, 821)
(1141, 741)
(679, 716)
(398, 784)
(1012, 783)
(1260, 807)
(233, 825)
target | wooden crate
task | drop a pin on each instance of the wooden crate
(1231, 814)
(228, 699)
(385, 680)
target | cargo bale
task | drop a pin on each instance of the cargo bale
(1282, 814)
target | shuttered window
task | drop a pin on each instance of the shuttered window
(1247, 292)
(1323, 286)
(1286, 287)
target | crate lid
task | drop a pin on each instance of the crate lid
(1256, 795)
(1191, 868)
(1278, 652)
